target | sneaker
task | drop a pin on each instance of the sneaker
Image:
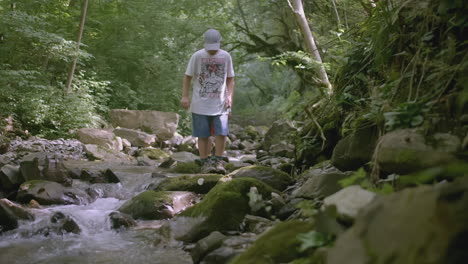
(208, 166)
(201, 162)
(219, 166)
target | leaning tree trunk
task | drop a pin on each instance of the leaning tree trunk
(80, 35)
(298, 10)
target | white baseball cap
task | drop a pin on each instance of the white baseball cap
(212, 39)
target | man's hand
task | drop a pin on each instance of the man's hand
(185, 102)
(228, 102)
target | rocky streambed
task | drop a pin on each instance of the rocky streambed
(137, 198)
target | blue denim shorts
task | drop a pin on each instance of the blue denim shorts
(204, 126)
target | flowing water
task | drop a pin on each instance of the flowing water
(97, 242)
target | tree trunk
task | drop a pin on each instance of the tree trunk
(298, 11)
(80, 35)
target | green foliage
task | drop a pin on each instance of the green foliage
(361, 178)
(314, 239)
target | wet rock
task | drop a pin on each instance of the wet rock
(224, 207)
(121, 221)
(100, 137)
(161, 124)
(417, 225)
(153, 205)
(61, 224)
(99, 176)
(275, 178)
(47, 193)
(355, 150)
(65, 223)
(349, 201)
(10, 177)
(10, 213)
(197, 183)
(135, 137)
(280, 244)
(230, 248)
(407, 150)
(206, 245)
(320, 183)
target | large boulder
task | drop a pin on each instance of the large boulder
(158, 205)
(355, 150)
(47, 193)
(96, 152)
(10, 177)
(280, 131)
(100, 137)
(135, 137)
(349, 201)
(121, 221)
(320, 183)
(407, 150)
(223, 208)
(273, 177)
(280, 244)
(10, 213)
(417, 225)
(161, 124)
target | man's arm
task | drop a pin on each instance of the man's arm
(230, 83)
(185, 102)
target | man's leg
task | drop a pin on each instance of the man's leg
(204, 147)
(220, 145)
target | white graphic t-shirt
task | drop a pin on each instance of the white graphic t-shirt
(209, 73)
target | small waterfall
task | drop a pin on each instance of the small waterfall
(97, 242)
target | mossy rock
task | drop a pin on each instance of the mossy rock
(225, 206)
(197, 183)
(147, 205)
(275, 178)
(278, 245)
(153, 153)
(186, 167)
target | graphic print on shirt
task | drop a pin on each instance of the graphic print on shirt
(211, 77)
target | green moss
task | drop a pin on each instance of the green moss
(153, 153)
(229, 167)
(186, 167)
(190, 183)
(143, 205)
(226, 204)
(273, 177)
(278, 245)
(407, 156)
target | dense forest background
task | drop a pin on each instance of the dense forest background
(391, 63)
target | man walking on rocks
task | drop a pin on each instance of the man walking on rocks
(213, 89)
